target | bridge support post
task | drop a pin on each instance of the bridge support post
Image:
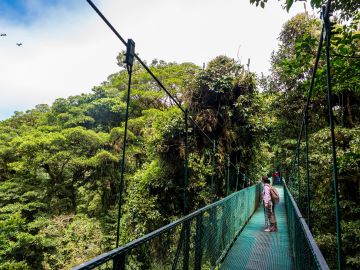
(186, 253)
(119, 262)
(213, 238)
(198, 242)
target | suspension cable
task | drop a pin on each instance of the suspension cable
(177, 103)
(186, 208)
(213, 152)
(306, 108)
(312, 83)
(136, 56)
(326, 29)
(327, 26)
(129, 63)
(306, 119)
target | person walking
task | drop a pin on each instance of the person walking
(269, 206)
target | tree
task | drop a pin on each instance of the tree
(291, 73)
(346, 8)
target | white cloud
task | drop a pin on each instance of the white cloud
(66, 52)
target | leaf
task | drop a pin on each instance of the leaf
(289, 4)
(356, 36)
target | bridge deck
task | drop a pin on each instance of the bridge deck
(256, 249)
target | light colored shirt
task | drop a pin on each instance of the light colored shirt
(266, 194)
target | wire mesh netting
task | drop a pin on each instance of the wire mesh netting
(199, 240)
(256, 249)
(305, 251)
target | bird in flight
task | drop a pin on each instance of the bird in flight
(2, 35)
(19, 44)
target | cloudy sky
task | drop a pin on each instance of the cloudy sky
(67, 49)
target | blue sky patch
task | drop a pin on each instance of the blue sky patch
(28, 11)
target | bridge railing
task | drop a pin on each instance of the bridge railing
(306, 253)
(199, 240)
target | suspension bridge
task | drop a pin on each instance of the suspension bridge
(229, 233)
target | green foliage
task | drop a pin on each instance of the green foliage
(288, 86)
(346, 8)
(351, 238)
(73, 239)
(143, 209)
(323, 202)
(219, 75)
(60, 164)
(20, 247)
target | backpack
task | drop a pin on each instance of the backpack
(274, 194)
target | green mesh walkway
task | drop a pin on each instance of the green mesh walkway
(209, 238)
(256, 249)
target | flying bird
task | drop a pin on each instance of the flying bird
(2, 35)
(19, 44)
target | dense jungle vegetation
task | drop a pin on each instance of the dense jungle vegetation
(60, 163)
